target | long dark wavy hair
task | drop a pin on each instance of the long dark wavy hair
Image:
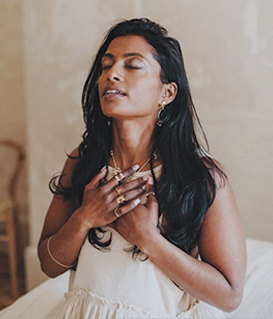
(186, 188)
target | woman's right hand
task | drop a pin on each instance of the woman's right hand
(101, 204)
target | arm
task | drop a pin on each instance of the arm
(69, 224)
(63, 221)
(219, 278)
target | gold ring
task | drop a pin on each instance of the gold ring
(120, 200)
(150, 193)
(117, 190)
(115, 212)
(119, 177)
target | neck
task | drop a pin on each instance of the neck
(131, 143)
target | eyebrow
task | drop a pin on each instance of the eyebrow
(110, 55)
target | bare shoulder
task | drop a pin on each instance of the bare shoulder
(216, 170)
(223, 214)
(69, 166)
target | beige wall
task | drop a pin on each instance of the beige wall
(228, 52)
(61, 38)
(227, 47)
(12, 99)
(229, 56)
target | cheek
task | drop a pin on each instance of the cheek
(146, 85)
(149, 91)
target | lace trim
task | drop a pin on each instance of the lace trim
(85, 294)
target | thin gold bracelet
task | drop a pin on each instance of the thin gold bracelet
(56, 261)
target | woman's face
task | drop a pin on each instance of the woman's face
(130, 85)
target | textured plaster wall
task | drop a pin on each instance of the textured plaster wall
(61, 38)
(227, 47)
(228, 51)
(12, 102)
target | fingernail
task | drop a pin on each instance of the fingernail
(136, 201)
(151, 181)
(104, 167)
(135, 167)
(145, 178)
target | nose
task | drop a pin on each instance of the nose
(115, 74)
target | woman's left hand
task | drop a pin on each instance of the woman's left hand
(141, 223)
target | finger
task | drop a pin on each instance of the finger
(151, 197)
(120, 211)
(149, 184)
(130, 195)
(149, 188)
(94, 183)
(114, 181)
(126, 187)
(123, 199)
(151, 202)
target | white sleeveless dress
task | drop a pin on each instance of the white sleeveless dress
(111, 284)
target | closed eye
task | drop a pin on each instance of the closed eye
(133, 67)
(127, 66)
(106, 67)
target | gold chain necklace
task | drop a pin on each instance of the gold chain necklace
(118, 169)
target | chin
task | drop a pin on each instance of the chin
(115, 112)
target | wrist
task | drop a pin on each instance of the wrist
(80, 221)
(147, 243)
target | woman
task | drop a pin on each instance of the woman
(146, 218)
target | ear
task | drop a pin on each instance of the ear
(169, 92)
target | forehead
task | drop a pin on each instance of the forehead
(123, 45)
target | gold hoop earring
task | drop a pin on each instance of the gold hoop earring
(159, 121)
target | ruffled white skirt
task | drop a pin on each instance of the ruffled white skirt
(83, 304)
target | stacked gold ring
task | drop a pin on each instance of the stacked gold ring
(150, 193)
(115, 212)
(119, 177)
(120, 199)
(117, 190)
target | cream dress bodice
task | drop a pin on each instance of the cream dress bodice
(112, 284)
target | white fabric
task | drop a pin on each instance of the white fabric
(122, 287)
(43, 301)
(258, 297)
(39, 303)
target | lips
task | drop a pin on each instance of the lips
(112, 90)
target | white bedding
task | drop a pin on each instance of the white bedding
(257, 301)
(258, 298)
